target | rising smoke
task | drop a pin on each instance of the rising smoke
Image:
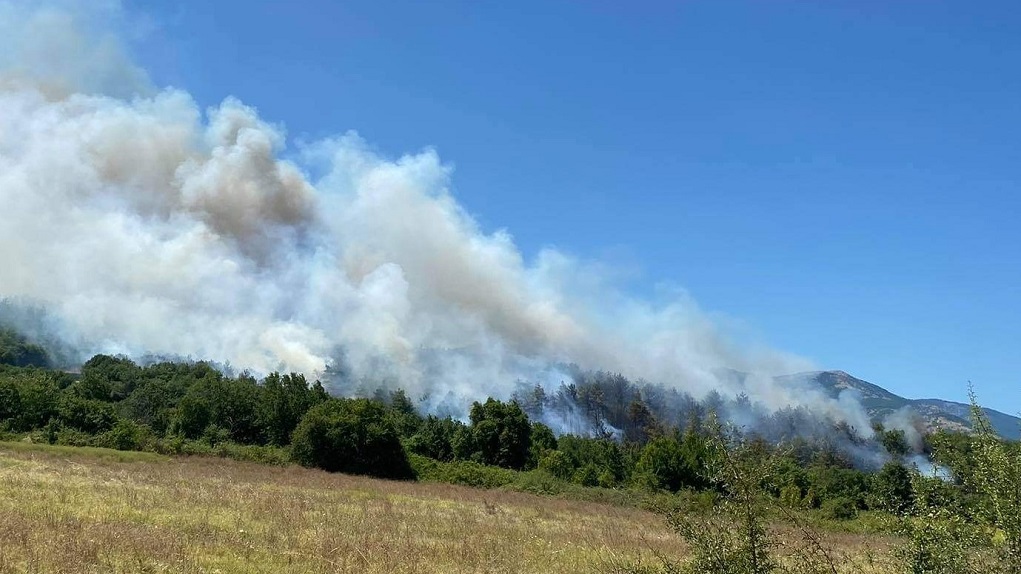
(144, 224)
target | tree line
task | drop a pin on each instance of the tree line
(116, 403)
(636, 439)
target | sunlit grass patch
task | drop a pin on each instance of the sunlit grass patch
(90, 510)
(92, 453)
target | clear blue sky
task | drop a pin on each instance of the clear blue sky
(842, 177)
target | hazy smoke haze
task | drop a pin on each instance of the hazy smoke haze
(146, 224)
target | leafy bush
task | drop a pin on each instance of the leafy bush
(790, 496)
(538, 482)
(839, 509)
(669, 464)
(587, 475)
(352, 436)
(499, 435)
(892, 487)
(28, 398)
(434, 438)
(87, 415)
(18, 351)
(262, 454)
(467, 473)
(127, 435)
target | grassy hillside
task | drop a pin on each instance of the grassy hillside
(106, 511)
(67, 509)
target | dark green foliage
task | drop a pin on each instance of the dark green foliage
(127, 435)
(17, 351)
(539, 482)
(464, 472)
(587, 475)
(106, 378)
(641, 423)
(193, 416)
(892, 487)
(500, 435)
(894, 441)
(153, 402)
(840, 509)
(352, 436)
(543, 440)
(230, 404)
(86, 415)
(671, 464)
(285, 399)
(557, 464)
(831, 482)
(10, 399)
(603, 453)
(434, 438)
(28, 398)
(402, 414)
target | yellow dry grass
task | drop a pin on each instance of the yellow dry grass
(67, 510)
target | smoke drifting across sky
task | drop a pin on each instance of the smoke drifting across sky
(145, 224)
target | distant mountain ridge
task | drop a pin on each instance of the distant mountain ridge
(879, 403)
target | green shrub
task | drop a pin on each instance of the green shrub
(668, 464)
(469, 473)
(587, 475)
(790, 496)
(87, 415)
(500, 435)
(538, 482)
(353, 436)
(557, 464)
(127, 435)
(839, 509)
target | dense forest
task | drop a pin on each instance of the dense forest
(635, 438)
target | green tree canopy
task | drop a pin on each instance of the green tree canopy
(499, 435)
(352, 436)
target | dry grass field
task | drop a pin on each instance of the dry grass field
(91, 510)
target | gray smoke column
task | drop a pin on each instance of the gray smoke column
(146, 224)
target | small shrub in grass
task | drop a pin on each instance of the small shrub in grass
(173, 444)
(700, 501)
(470, 473)
(587, 475)
(841, 508)
(662, 503)
(214, 435)
(466, 473)
(938, 542)
(72, 437)
(127, 435)
(609, 496)
(423, 466)
(556, 463)
(195, 447)
(538, 482)
(790, 496)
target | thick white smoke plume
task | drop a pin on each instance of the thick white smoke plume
(148, 225)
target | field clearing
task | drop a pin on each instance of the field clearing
(92, 510)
